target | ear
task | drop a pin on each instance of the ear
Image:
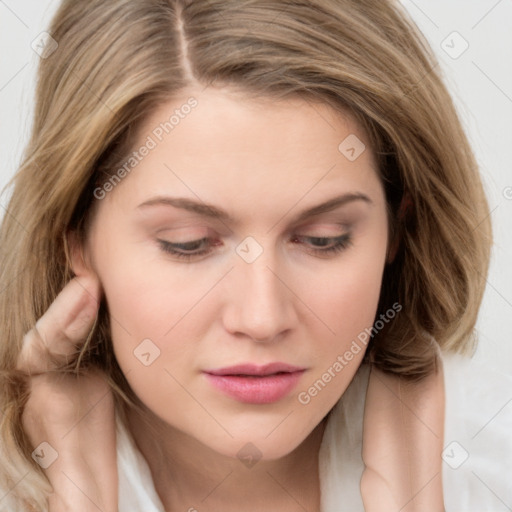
(405, 205)
(77, 255)
(393, 249)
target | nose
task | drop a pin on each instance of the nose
(260, 302)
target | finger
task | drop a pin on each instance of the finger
(71, 425)
(60, 331)
(403, 442)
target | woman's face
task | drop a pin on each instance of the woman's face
(242, 234)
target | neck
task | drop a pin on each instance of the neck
(189, 475)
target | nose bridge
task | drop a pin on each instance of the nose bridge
(261, 305)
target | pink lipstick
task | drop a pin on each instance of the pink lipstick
(249, 383)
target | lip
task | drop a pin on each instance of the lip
(249, 383)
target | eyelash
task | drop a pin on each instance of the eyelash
(340, 244)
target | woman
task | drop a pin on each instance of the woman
(244, 241)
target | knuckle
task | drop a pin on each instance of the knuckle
(49, 397)
(34, 351)
(62, 399)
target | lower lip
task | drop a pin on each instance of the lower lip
(256, 390)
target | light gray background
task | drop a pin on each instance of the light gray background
(480, 80)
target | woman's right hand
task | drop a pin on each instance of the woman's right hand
(70, 420)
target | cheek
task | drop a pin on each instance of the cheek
(146, 310)
(145, 302)
(346, 299)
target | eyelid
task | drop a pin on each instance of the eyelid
(324, 223)
(187, 233)
(305, 230)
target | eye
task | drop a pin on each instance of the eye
(326, 246)
(321, 246)
(186, 250)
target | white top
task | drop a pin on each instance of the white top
(477, 467)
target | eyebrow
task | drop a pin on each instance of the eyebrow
(210, 211)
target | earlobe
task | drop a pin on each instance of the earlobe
(76, 256)
(393, 249)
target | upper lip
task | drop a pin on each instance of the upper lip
(252, 369)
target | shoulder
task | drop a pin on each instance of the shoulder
(478, 435)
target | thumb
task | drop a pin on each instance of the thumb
(59, 333)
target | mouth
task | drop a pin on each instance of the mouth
(248, 383)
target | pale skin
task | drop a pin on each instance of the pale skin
(263, 164)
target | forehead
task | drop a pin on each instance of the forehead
(216, 144)
(247, 122)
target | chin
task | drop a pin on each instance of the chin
(263, 440)
(250, 450)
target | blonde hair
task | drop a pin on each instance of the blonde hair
(117, 61)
